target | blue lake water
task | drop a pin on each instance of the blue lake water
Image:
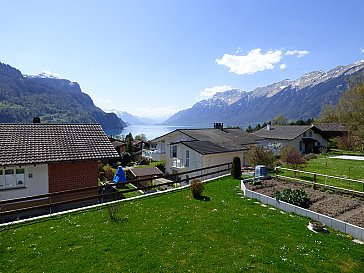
(150, 131)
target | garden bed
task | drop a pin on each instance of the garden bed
(340, 206)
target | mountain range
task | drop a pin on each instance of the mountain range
(302, 98)
(136, 120)
(54, 100)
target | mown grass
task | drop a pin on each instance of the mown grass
(175, 233)
(353, 169)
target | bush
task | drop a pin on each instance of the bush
(258, 156)
(109, 173)
(292, 157)
(309, 157)
(196, 188)
(295, 197)
(236, 168)
(161, 166)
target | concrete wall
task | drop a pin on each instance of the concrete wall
(35, 182)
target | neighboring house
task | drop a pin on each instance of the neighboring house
(119, 145)
(305, 138)
(191, 149)
(330, 130)
(39, 159)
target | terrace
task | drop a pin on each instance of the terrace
(174, 232)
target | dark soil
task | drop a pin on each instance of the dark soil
(340, 206)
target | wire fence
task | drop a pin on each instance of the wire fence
(25, 207)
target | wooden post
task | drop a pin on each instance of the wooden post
(314, 181)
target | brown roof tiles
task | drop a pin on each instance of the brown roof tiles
(43, 143)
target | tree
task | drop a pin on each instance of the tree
(129, 144)
(141, 137)
(236, 168)
(349, 111)
(257, 155)
(280, 120)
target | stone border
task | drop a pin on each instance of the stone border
(355, 231)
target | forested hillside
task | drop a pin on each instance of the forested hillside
(53, 100)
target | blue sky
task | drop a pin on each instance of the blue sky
(152, 58)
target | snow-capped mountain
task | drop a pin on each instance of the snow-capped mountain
(223, 98)
(295, 99)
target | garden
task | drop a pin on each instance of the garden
(222, 231)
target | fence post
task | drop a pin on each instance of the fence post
(50, 204)
(314, 180)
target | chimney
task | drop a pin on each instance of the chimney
(269, 124)
(36, 120)
(218, 125)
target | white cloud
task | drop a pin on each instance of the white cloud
(282, 66)
(298, 53)
(362, 50)
(251, 63)
(211, 91)
(256, 60)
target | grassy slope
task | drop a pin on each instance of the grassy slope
(176, 233)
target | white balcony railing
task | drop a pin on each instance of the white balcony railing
(177, 163)
(153, 154)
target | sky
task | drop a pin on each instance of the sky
(153, 58)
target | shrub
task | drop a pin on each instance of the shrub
(161, 166)
(309, 157)
(236, 168)
(109, 173)
(295, 197)
(196, 188)
(258, 156)
(113, 209)
(292, 157)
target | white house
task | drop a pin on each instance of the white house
(305, 138)
(191, 149)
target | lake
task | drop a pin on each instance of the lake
(150, 131)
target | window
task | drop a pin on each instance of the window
(187, 158)
(310, 133)
(174, 151)
(304, 134)
(12, 178)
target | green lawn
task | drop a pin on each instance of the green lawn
(353, 169)
(175, 233)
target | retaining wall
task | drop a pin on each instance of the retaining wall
(355, 231)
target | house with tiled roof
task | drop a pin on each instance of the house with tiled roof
(190, 149)
(305, 138)
(38, 159)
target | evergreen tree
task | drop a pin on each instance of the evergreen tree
(236, 168)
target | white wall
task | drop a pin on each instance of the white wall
(295, 142)
(36, 182)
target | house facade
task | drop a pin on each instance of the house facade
(38, 159)
(305, 138)
(187, 150)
